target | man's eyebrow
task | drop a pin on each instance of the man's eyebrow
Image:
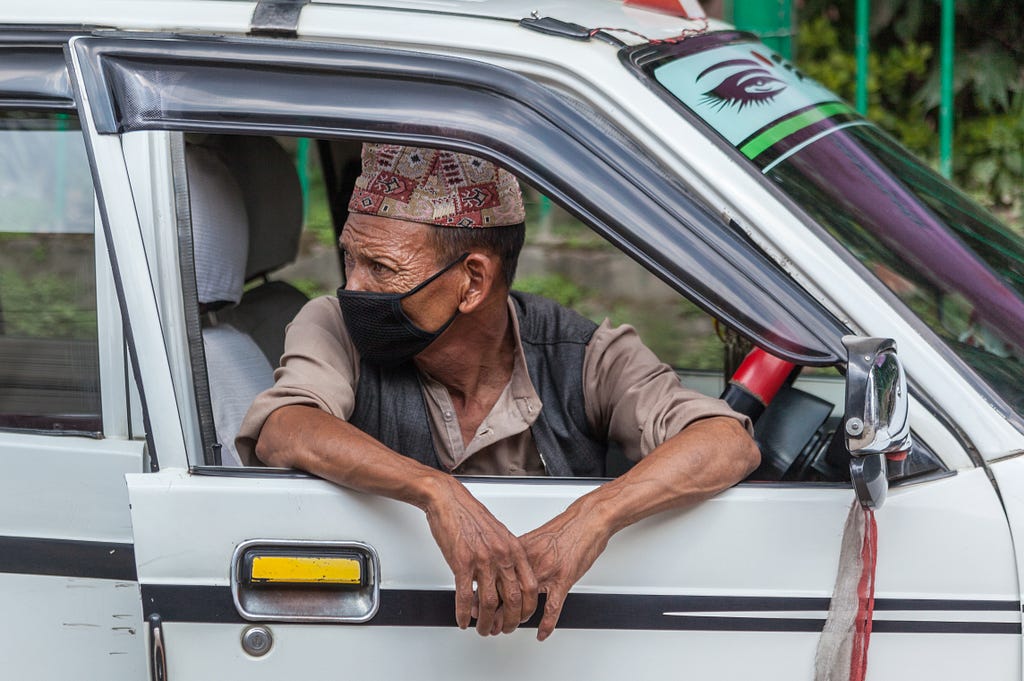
(730, 62)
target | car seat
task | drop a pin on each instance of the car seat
(273, 202)
(236, 367)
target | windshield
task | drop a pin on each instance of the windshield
(954, 265)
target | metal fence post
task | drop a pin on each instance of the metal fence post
(946, 63)
(302, 165)
(771, 20)
(863, 41)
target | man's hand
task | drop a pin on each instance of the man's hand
(702, 460)
(477, 547)
(561, 551)
(480, 549)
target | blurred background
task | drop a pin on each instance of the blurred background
(896, 48)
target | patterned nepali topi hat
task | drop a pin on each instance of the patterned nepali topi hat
(435, 187)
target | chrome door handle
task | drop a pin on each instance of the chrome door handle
(303, 581)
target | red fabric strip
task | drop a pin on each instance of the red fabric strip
(866, 595)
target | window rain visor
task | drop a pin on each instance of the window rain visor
(33, 76)
(955, 266)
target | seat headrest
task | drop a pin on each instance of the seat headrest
(220, 238)
(273, 199)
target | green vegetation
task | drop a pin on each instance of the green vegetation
(903, 85)
(45, 304)
(676, 331)
(554, 286)
(679, 333)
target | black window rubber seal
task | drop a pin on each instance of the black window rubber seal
(190, 300)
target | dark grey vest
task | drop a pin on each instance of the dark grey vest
(390, 405)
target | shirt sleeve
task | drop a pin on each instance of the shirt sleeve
(319, 368)
(637, 400)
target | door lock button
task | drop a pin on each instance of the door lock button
(257, 641)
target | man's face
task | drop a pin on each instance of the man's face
(385, 255)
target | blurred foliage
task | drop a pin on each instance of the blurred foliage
(555, 286)
(676, 331)
(903, 84)
(38, 302)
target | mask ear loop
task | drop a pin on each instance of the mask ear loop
(408, 322)
(434, 276)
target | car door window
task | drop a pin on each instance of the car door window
(565, 260)
(608, 185)
(49, 366)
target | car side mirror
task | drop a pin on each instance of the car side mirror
(876, 422)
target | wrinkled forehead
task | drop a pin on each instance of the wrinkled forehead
(375, 236)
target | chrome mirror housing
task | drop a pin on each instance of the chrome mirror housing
(876, 422)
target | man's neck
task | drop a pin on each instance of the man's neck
(476, 354)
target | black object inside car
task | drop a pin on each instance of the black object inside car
(790, 434)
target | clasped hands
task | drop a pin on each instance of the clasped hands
(510, 571)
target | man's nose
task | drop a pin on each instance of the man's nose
(354, 279)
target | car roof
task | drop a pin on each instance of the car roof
(591, 14)
(234, 16)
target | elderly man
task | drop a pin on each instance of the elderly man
(425, 365)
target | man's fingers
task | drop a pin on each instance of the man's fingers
(511, 600)
(487, 604)
(499, 621)
(464, 599)
(552, 611)
(528, 586)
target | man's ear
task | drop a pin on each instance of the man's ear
(482, 271)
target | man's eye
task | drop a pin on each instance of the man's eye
(753, 86)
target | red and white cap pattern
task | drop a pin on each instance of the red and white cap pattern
(436, 187)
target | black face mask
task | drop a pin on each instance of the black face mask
(381, 331)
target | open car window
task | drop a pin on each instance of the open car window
(563, 259)
(560, 151)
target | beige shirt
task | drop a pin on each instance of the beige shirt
(629, 396)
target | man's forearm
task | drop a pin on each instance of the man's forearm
(707, 457)
(314, 441)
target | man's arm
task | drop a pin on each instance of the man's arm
(475, 544)
(705, 458)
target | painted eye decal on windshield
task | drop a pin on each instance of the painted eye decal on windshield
(753, 83)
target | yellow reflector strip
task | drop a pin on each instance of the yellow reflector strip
(306, 570)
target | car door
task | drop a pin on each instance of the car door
(68, 434)
(736, 587)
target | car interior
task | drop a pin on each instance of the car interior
(246, 190)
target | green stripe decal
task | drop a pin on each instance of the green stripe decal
(789, 126)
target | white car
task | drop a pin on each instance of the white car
(129, 548)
